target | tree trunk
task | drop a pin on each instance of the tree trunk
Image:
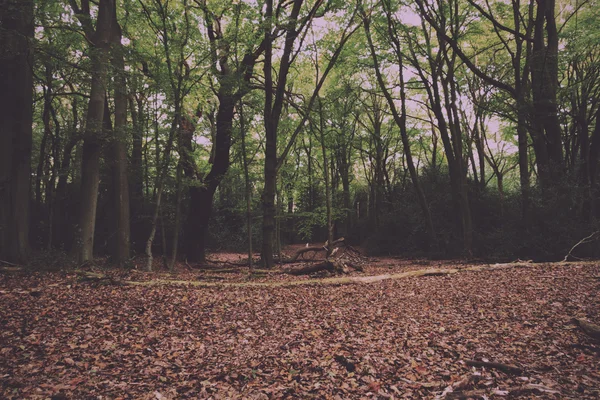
(16, 115)
(62, 217)
(177, 227)
(270, 168)
(201, 196)
(163, 170)
(136, 178)
(544, 82)
(328, 195)
(119, 148)
(90, 166)
(247, 183)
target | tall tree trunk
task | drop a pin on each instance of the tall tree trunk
(62, 217)
(162, 171)
(544, 83)
(247, 183)
(270, 168)
(201, 196)
(327, 180)
(136, 178)
(16, 115)
(46, 115)
(90, 168)
(177, 227)
(119, 149)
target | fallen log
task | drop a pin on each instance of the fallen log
(333, 266)
(509, 369)
(588, 328)
(308, 269)
(315, 249)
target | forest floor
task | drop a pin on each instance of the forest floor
(226, 335)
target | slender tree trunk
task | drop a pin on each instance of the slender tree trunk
(62, 220)
(328, 196)
(39, 202)
(177, 226)
(278, 217)
(247, 183)
(136, 178)
(119, 149)
(163, 238)
(544, 83)
(162, 171)
(90, 166)
(16, 115)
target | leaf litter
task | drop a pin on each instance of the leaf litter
(422, 337)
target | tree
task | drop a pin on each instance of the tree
(16, 101)
(99, 40)
(119, 147)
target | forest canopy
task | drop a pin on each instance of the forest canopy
(176, 127)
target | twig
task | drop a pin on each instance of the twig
(9, 263)
(586, 239)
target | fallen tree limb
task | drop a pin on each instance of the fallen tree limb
(315, 249)
(588, 328)
(334, 266)
(588, 239)
(509, 369)
(9, 263)
(305, 250)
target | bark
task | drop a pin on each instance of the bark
(201, 196)
(92, 147)
(16, 114)
(119, 149)
(247, 184)
(177, 227)
(136, 178)
(270, 168)
(328, 195)
(43, 144)
(62, 216)
(316, 249)
(163, 170)
(546, 130)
